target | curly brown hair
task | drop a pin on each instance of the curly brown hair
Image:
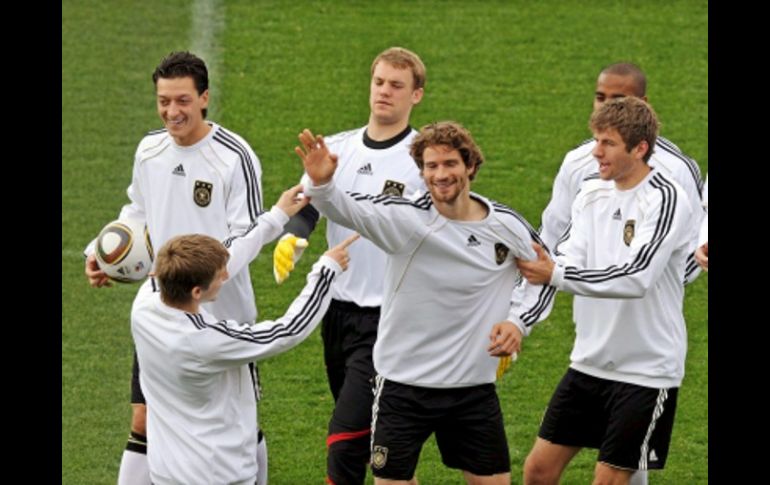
(451, 134)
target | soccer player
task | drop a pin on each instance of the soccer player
(197, 371)
(193, 176)
(702, 253)
(373, 159)
(448, 308)
(616, 81)
(624, 257)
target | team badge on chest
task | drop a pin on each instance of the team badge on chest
(202, 193)
(392, 187)
(501, 252)
(379, 456)
(628, 231)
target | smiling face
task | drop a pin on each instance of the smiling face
(180, 108)
(445, 174)
(392, 94)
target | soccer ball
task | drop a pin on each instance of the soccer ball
(124, 251)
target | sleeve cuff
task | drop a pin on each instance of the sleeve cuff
(557, 277)
(332, 264)
(312, 190)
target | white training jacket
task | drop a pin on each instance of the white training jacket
(579, 164)
(196, 373)
(624, 258)
(446, 282)
(212, 187)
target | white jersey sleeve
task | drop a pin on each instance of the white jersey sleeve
(704, 228)
(530, 303)
(244, 248)
(226, 343)
(656, 237)
(387, 221)
(244, 200)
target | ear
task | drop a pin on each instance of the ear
(417, 95)
(641, 149)
(196, 293)
(205, 99)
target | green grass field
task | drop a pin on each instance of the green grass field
(519, 75)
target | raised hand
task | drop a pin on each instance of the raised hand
(319, 163)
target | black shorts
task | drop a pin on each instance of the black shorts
(467, 421)
(137, 396)
(629, 424)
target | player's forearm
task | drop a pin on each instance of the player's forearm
(381, 223)
(304, 314)
(530, 304)
(245, 247)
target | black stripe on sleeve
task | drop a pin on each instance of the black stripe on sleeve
(646, 252)
(254, 198)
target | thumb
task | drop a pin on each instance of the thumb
(539, 251)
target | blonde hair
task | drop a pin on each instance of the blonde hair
(403, 59)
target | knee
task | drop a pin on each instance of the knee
(537, 472)
(139, 419)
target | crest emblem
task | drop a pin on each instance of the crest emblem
(379, 456)
(202, 193)
(392, 187)
(501, 252)
(628, 231)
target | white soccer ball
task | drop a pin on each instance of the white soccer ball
(124, 251)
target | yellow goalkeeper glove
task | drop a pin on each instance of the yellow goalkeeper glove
(286, 253)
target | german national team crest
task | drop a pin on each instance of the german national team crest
(202, 193)
(392, 187)
(379, 456)
(501, 252)
(628, 231)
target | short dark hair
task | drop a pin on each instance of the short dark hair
(627, 69)
(184, 64)
(451, 134)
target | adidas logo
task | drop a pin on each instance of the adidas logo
(179, 170)
(616, 215)
(653, 456)
(473, 242)
(365, 169)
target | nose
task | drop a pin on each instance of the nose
(441, 172)
(385, 90)
(597, 152)
(172, 110)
